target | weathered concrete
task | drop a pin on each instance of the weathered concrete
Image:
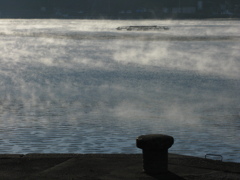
(110, 167)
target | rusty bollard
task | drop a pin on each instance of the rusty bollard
(155, 152)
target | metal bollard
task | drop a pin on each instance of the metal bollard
(155, 152)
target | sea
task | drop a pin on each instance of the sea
(83, 86)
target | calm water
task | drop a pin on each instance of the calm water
(80, 86)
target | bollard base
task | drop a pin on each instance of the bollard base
(155, 162)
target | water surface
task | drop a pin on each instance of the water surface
(81, 86)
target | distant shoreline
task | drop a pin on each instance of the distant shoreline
(130, 19)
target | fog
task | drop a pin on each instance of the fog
(82, 86)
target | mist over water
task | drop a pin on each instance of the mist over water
(81, 86)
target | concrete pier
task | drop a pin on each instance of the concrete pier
(110, 167)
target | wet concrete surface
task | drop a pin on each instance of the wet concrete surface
(110, 167)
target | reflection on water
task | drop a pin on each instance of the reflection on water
(76, 86)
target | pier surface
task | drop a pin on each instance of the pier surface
(110, 167)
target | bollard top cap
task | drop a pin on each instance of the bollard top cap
(154, 141)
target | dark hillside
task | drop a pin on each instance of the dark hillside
(119, 8)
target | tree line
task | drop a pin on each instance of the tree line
(112, 8)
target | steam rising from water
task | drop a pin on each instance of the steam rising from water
(82, 86)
